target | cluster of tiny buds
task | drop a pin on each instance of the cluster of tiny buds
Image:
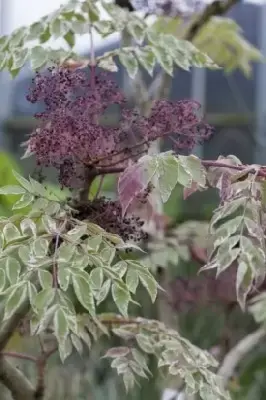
(108, 215)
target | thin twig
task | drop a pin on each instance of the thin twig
(237, 353)
(21, 356)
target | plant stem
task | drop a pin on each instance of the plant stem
(237, 353)
(21, 356)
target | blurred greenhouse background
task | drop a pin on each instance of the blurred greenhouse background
(236, 106)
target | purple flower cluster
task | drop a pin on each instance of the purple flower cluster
(70, 135)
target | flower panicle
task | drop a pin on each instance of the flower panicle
(71, 136)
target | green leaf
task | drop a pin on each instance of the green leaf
(2, 280)
(38, 57)
(120, 268)
(84, 293)
(167, 175)
(140, 359)
(115, 352)
(23, 202)
(49, 224)
(227, 209)
(28, 227)
(77, 343)
(45, 278)
(105, 27)
(60, 325)
(65, 348)
(244, 280)
(11, 232)
(26, 255)
(14, 300)
(102, 294)
(52, 208)
(17, 37)
(129, 61)
(70, 38)
(96, 278)
(193, 166)
(35, 30)
(108, 63)
(40, 247)
(132, 280)
(13, 269)
(64, 275)
(38, 188)
(157, 169)
(19, 58)
(129, 380)
(44, 298)
(76, 233)
(121, 298)
(32, 292)
(59, 27)
(136, 28)
(94, 242)
(108, 254)
(91, 9)
(12, 190)
(164, 59)
(225, 260)
(24, 183)
(146, 58)
(66, 252)
(227, 229)
(39, 206)
(144, 343)
(150, 285)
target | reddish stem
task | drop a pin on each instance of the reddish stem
(210, 163)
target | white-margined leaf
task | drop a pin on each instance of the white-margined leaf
(28, 227)
(6, 190)
(49, 224)
(63, 275)
(15, 300)
(76, 233)
(11, 232)
(145, 343)
(103, 292)
(40, 247)
(45, 278)
(44, 298)
(24, 182)
(96, 278)
(13, 269)
(132, 280)
(61, 328)
(77, 343)
(23, 202)
(121, 298)
(115, 352)
(84, 293)
(129, 61)
(65, 348)
(2, 280)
